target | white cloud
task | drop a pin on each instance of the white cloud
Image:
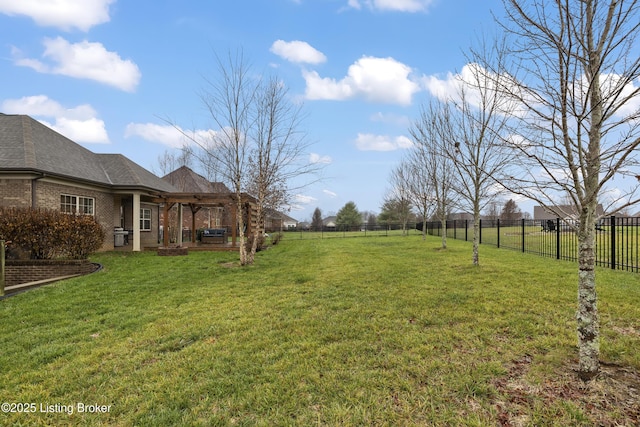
(298, 51)
(63, 14)
(392, 5)
(330, 193)
(391, 119)
(303, 199)
(301, 202)
(443, 88)
(325, 88)
(80, 124)
(375, 79)
(611, 84)
(84, 60)
(90, 130)
(318, 159)
(370, 142)
(479, 86)
(171, 136)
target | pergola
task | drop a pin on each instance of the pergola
(196, 201)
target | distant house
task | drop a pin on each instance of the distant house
(305, 225)
(461, 216)
(39, 168)
(276, 221)
(288, 223)
(329, 223)
(568, 212)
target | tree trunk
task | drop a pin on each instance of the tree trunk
(476, 232)
(444, 233)
(257, 233)
(587, 315)
(244, 259)
(476, 241)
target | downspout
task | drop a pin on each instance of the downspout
(33, 190)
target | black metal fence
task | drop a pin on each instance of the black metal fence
(616, 238)
(361, 230)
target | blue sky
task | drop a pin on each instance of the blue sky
(105, 72)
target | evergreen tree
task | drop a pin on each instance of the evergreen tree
(510, 211)
(348, 217)
(395, 211)
(316, 220)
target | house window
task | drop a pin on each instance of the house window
(145, 219)
(77, 204)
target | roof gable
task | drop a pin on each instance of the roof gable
(186, 180)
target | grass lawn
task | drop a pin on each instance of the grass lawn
(355, 332)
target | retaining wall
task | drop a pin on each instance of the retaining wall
(24, 271)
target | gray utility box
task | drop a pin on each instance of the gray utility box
(118, 236)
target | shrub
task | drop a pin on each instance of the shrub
(275, 238)
(249, 242)
(49, 234)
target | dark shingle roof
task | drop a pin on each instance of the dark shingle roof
(186, 180)
(28, 145)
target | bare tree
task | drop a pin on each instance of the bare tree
(433, 179)
(492, 210)
(420, 189)
(473, 122)
(398, 200)
(258, 147)
(172, 160)
(573, 77)
(276, 157)
(230, 100)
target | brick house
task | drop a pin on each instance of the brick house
(40, 168)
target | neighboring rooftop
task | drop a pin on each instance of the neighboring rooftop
(569, 212)
(187, 181)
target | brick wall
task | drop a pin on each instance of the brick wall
(18, 193)
(48, 196)
(173, 251)
(18, 272)
(15, 193)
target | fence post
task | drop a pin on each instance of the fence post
(613, 242)
(498, 239)
(2, 268)
(557, 238)
(523, 235)
(479, 231)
